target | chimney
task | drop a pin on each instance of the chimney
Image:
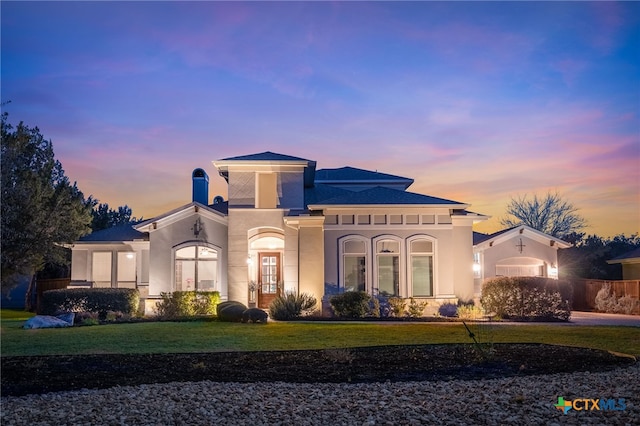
(200, 187)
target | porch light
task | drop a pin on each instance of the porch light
(249, 260)
(476, 267)
(129, 255)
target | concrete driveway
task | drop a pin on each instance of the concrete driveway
(596, 318)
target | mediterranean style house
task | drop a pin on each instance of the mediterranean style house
(287, 227)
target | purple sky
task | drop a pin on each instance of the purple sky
(477, 102)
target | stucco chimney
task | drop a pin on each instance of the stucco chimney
(200, 187)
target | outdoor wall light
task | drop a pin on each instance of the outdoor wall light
(249, 260)
(476, 267)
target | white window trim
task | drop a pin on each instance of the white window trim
(434, 248)
(367, 260)
(402, 282)
(185, 244)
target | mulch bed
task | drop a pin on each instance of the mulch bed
(41, 374)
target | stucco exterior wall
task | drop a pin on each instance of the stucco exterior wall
(453, 255)
(241, 222)
(631, 271)
(509, 249)
(163, 240)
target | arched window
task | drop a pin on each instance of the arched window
(353, 263)
(421, 252)
(196, 268)
(388, 261)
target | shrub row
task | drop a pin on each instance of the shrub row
(528, 298)
(187, 304)
(97, 300)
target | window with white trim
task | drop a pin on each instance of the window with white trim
(354, 264)
(196, 268)
(126, 269)
(421, 267)
(101, 268)
(388, 267)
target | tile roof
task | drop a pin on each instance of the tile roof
(350, 174)
(384, 196)
(116, 233)
(264, 156)
(633, 254)
(319, 193)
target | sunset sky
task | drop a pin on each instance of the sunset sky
(478, 102)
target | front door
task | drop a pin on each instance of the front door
(268, 278)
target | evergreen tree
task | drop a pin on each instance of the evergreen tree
(41, 209)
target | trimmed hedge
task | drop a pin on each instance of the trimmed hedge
(187, 304)
(98, 300)
(533, 298)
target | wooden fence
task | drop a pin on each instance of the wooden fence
(585, 291)
(52, 284)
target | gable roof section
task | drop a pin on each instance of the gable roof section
(485, 241)
(264, 156)
(115, 234)
(632, 256)
(359, 176)
(386, 197)
(181, 213)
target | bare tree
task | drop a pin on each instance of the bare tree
(550, 214)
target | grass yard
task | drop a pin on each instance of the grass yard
(206, 336)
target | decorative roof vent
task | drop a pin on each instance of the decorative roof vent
(200, 186)
(218, 199)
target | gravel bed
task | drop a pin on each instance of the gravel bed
(526, 400)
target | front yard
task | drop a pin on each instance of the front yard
(213, 336)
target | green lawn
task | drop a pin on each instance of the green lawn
(207, 336)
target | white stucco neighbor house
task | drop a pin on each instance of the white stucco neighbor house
(287, 227)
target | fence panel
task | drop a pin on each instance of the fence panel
(585, 291)
(52, 284)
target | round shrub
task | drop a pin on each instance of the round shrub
(351, 304)
(230, 311)
(448, 310)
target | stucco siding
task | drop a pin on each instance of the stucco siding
(166, 238)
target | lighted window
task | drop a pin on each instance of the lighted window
(354, 265)
(421, 267)
(101, 265)
(126, 269)
(388, 267)
(196, 268)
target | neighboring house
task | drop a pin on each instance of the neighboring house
(518, 251)
(289, 228)
(630, 262)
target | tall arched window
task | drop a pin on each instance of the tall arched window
(421, 266)
(196, 268)
(388, 271)
(353, 262)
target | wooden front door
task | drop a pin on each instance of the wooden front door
(268, 278)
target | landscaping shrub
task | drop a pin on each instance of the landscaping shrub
(231, 311)
(416, 309)
(291, 306)
(187, 304)
(470, 312)
(98, 300)
(527, 298)
(448, 310)
(352, 304)
(254, 315)
(606, 301)
(397, 306)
